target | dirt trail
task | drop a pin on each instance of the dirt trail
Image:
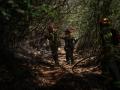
(86, 78)
(39, 72)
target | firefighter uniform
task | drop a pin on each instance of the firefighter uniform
(69, 47)
(53, 41)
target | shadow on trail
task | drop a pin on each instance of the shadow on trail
(14, 75)
(85, 81)
(17, 74)
(22, 77)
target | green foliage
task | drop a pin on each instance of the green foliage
(115, 14)
(46, 10)
(14, 23)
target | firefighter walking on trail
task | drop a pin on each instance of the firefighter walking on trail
(69, 46)
(53, 42)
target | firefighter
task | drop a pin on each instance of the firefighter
(53, 41)
(108, 34)
(69, 46)
(109, 37)
(105, 30)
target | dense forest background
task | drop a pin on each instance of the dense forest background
(23, 26)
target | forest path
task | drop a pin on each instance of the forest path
(33, 70)
(55, 76)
